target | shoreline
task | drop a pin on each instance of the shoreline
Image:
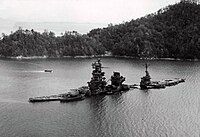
(96, 56)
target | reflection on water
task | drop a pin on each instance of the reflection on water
(173, 111)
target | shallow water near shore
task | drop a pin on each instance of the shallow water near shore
(173, 111)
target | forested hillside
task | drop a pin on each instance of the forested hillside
(30, 43)
(172, 32)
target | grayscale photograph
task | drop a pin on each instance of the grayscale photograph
(99, 68)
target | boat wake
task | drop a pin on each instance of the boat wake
(11, 101)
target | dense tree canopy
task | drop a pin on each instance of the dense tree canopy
(30, 43)
(171, 32)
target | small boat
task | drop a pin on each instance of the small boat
(71, 97)
(48, 70)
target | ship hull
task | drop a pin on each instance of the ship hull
(162, 84)
(71, 99)
(43, 100)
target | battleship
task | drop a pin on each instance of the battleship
(99, 86)
(96, 86)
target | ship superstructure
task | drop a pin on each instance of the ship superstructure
(98, 82)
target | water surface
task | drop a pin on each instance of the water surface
(172, 112)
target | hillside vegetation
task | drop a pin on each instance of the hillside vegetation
(172, 32)
(30, 43)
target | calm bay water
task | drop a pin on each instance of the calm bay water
(172, 112)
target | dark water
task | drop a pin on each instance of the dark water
(170, 112)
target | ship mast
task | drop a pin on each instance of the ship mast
(146, 80)
(146, 66)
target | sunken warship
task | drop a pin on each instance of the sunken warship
(96, 86)
(99, 86)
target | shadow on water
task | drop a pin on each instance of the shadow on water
(99, 110)
(97, 106)
(116, 100)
